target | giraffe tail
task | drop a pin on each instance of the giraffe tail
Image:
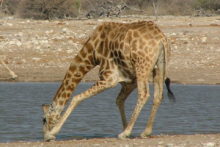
(167, 80)
(169, 93)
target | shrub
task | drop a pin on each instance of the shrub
(47, 9)
(212, 5)
(8, 7)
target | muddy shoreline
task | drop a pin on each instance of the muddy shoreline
(205, 140)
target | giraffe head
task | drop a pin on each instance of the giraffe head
(50, 119)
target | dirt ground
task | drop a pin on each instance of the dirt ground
(41, 51)
(211, 140)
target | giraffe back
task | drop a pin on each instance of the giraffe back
(117, 46)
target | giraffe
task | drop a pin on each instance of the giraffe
(14, 76)
(127, 53)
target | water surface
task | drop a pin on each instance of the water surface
(196, 111)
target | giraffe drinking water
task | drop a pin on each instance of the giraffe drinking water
(127, 53)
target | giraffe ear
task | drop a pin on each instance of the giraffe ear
(45, 108)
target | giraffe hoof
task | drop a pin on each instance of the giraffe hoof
(145, 135)
(123, 136)
(49, 137)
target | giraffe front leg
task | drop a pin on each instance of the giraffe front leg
(48, 137)
(143, 92)
(124, 93)
(95, 89)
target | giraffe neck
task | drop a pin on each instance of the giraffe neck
(81, 64)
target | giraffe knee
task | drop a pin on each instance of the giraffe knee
(157, 101)
(144, 97)
(147, 97)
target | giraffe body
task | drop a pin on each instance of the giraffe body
(127, 53)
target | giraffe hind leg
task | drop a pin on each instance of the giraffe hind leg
(158, 80)
(126, 89)
(158, 96)
(142, 75)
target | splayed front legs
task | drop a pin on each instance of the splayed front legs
(95, 89)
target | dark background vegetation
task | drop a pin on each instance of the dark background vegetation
(59, 9)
